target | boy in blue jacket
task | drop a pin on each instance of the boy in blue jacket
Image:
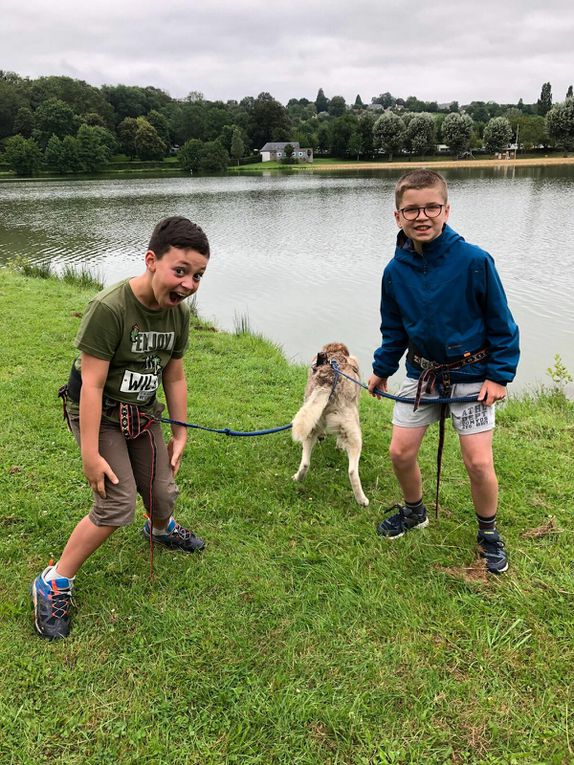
(443, 302)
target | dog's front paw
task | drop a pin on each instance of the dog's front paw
(298, 476)
(363, 501)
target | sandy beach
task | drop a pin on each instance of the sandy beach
(447, 163)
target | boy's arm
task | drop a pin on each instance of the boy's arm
(175, 387)
(395, 339)
(501, 331)
(96, 469)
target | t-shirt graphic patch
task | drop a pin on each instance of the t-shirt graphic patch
(146, 342)
(143, 385)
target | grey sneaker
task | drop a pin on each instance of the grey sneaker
(177, 538)
(491, 548)
(52, 601)
(401, 522)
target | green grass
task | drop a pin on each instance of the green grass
(298, 637)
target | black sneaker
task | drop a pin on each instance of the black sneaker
(401, 522)
(177, 538)
(52, 601)
(491, 548)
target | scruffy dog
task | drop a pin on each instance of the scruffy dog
(331, 406)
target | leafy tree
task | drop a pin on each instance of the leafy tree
(237, 146)
(77, 94)
(93, 119)
(560, 124)
(456, 131)
(62, 155)
(389, 133)
(365, 128)
(24, 121)
(159, 121)
(11, 101)
(324, 137)
(23, 155)
(544, 103)
(569, 92)
(342, 129)
(54, 117)
(306, 134)
(53, 153)
(355, 146)
(531, 128)
(337, 106)
(213, 158)
(421, 133)
(131, 101)
(497, 134)
(386, 100)
(358, 103)
(148, 143)
(268, 121)
(189, 155)
(321, 102)
(127, 130)
(93, 151)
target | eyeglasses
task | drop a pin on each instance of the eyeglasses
(412, 213)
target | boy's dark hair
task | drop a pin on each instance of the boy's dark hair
(421, 178)
(178, 232)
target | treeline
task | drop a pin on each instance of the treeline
(68, 126)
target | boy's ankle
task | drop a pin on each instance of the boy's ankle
(51, 574)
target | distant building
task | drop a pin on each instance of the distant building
(275, 151)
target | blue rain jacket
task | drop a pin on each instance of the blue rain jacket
(444, 303)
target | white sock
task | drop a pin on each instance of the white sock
(53, 573)
(166, 530)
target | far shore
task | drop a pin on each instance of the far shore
(440, 163)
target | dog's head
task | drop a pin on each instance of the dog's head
(338, 352)
(332, 348)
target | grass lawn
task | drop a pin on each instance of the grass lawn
(299, 637)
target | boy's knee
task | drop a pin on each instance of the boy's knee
(401, 454)
(479, 467)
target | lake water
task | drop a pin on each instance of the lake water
(301, 256)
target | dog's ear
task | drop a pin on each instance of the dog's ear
(353, 363)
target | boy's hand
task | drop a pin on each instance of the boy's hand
(175, 449)
(377, 382)
(96, 470)
(491, 392)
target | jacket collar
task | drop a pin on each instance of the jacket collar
(438, 246)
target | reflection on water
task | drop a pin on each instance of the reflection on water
(302, 255)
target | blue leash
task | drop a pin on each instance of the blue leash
(338, 372)
(379, 392)
(225, 431)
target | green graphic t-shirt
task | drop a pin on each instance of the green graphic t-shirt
(137, 341)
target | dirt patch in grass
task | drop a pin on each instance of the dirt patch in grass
(547, 529)
(474, 573)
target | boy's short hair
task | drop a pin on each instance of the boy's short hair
(421, 178)
(178, 231)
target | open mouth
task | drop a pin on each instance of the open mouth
(177, 297)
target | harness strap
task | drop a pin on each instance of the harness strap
(133, 424)
(432, 373)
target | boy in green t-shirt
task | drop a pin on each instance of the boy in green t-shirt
(131, 340)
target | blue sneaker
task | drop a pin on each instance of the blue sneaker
(401, 522)
(491, 548)
(176, 537)
(52, 601)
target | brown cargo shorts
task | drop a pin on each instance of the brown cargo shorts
(131, 461)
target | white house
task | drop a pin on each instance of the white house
(273, 151)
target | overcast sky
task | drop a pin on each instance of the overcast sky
(442, 50)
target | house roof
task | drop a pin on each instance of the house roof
(279, 146)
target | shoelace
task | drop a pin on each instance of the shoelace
(61, 602)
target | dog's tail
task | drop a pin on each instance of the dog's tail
(310, 413)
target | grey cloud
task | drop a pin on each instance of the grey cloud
(444, 50)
